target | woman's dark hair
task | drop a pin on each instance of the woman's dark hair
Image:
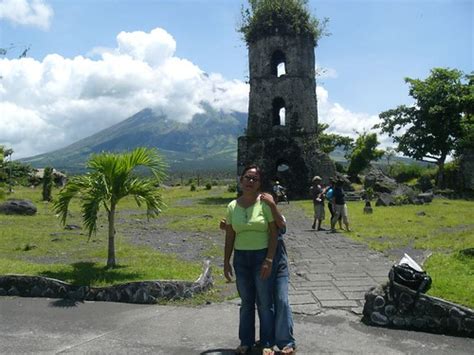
(252, 166)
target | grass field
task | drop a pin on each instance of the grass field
(443, 227)
(39, 245)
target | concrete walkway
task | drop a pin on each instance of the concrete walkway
(328, 270)
(329, 277)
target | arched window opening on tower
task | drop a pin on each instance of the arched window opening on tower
(278, 64)
(279, 112)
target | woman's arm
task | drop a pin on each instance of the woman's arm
(266, 269)
(228, 249)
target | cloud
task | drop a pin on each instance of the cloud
(51, 103)
(345, 122)
(36, 13)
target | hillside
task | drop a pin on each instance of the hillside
(207, 142)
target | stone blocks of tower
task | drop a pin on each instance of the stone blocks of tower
(300, 155)
(282, 75)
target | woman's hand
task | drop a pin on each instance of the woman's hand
(268, 199)
(266, 269)
(228, 272)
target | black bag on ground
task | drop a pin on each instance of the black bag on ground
(407, 276)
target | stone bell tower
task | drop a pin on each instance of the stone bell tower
(281, 133)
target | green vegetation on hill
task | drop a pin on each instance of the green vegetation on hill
(207, 142)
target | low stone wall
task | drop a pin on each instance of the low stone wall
(402, 309)
(132, 292)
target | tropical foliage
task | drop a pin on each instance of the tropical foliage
(438, 123)
(364, 151)
(111, 178)
(330, 141)
(287, 17)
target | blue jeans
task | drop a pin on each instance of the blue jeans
(253, 290)
(283, 316)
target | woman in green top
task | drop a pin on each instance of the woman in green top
(252, 233)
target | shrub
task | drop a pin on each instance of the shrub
(208, 186)
(340, 167)
(232, 188)
(193, 187)
(402, 172)
(289, 17)
(425, 182)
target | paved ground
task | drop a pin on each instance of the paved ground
(329, 277)
(328, 270)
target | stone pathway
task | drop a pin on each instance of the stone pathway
(328, 270)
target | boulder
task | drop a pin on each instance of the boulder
(426, 197)
(379, 182)
(385, 199)
(18, 207)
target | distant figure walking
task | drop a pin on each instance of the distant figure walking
(280, 193)
(339, 207)
(329, 192)
(317, 195)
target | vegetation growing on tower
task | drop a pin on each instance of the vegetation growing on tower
(285, 17)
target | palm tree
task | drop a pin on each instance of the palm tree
(110, 179)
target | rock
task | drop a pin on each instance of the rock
(426, 197)
(390, 310)
(379, 182)
(421, 213)
(378, 318)
(71, 227)
(456, 313)
(13, 291)
(379, 302)
(385, 199)
(35, 291)
(469, 324)
(399, 321)
(18, 207)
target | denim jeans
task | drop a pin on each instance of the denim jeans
(283, 316)
(253, 290)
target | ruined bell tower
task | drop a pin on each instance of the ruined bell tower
(281, 133)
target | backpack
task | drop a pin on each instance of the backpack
(407, 276)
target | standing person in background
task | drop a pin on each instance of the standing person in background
(317, 195)
(339, 207)
(284, 338)
(279, 192)
(329, 192)
(251, 234)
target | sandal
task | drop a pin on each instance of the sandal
(288, 350)
(242, 349)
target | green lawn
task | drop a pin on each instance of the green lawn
(39, 245)
(443, 227)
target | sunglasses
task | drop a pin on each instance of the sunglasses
(251, 178)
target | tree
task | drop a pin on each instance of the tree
(111, 178)
(330, 141)
(431, 129)
(364, 151)
(47, 183)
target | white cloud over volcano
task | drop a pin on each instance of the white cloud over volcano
(49, 104)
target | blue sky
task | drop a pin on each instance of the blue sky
(373, 46)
